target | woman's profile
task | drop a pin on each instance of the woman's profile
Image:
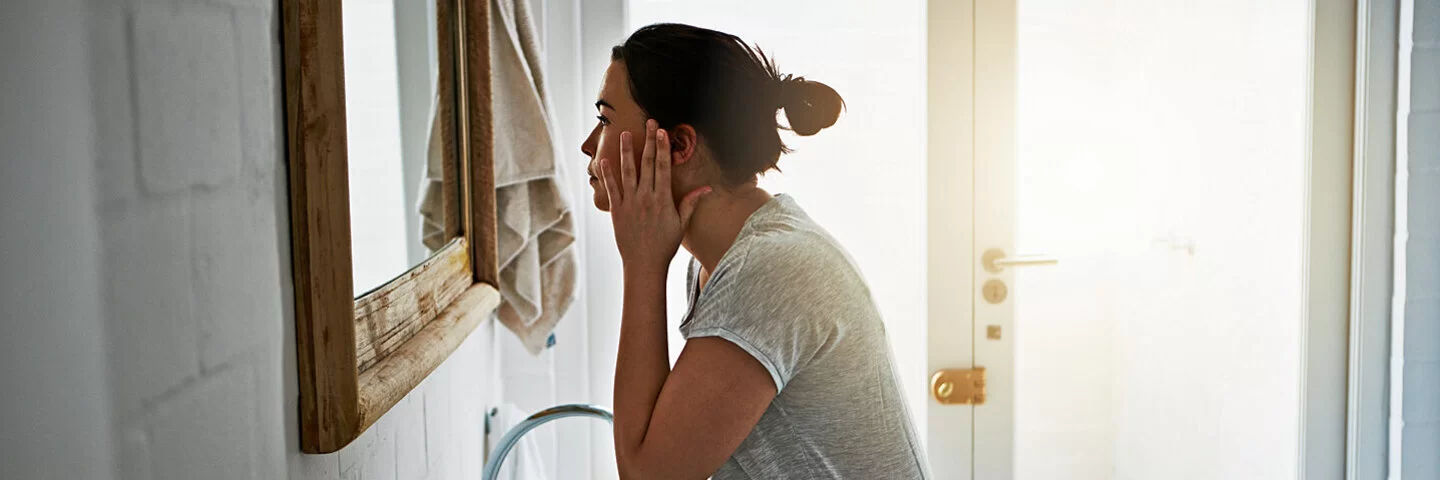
(786, 371)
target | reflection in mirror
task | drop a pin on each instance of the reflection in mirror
(392, 117)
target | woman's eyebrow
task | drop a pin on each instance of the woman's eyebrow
(602, 103)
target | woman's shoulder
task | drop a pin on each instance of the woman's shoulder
(794, 259)
(797, 283)
(793, 247)
(782, 251)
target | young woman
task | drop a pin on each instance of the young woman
(786, 371)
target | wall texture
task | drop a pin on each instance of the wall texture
(195, 259)
(154, 337)
(54, 419)
(1419, 360)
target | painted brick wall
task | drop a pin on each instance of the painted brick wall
(1420, 403)
(195, 257)
(165, 131)
(54, 415)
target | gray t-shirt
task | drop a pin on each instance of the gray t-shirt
(788, 294)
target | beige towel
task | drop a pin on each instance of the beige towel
(536, 230)
(432, 200)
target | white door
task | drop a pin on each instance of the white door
(1116, 212)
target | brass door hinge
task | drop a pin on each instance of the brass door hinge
(959, 386)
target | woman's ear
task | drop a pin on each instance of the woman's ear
(683, 142)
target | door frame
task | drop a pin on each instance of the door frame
(1377, 95)
(950, 196)
(1349, 225)
(1329, 197)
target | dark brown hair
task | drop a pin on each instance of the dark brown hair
(727, 90)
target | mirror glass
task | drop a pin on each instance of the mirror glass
(392, 116)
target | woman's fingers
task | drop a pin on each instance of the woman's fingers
(612, 184)
(647, 159)
(662, 163)
(687, 206)
(627, 164)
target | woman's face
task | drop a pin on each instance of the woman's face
(616, 112)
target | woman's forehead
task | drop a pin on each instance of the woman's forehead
(615, 88)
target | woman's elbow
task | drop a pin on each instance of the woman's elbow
(631, 469)
(635, 465)
(629, 465)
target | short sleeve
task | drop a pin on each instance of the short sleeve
(774, 304)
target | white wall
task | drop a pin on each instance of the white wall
(54, 419)
(148, 294)
(1416, 415)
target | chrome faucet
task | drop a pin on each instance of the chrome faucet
(497, 457)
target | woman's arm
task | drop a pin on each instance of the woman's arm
(643, 362)
(682, 423)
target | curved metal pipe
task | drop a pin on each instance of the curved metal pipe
(497, 458)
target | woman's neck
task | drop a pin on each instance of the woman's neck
(717, 221)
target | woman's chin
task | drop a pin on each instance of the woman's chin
(602, 201)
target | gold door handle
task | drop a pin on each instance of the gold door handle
(995, 260)
(953, 386)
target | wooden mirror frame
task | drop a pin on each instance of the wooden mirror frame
(357, 357)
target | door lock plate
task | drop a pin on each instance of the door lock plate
(959, 386)
(994, 291)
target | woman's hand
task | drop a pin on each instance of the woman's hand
(648, 224)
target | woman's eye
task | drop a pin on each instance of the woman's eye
(603, 120)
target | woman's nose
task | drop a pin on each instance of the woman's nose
(588, 146)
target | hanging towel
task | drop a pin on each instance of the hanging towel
(432, 187)
(536, 230)
(524, 461)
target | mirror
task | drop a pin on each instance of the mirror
(392, 108)
(364, 115)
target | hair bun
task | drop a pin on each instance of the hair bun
(809, 106)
